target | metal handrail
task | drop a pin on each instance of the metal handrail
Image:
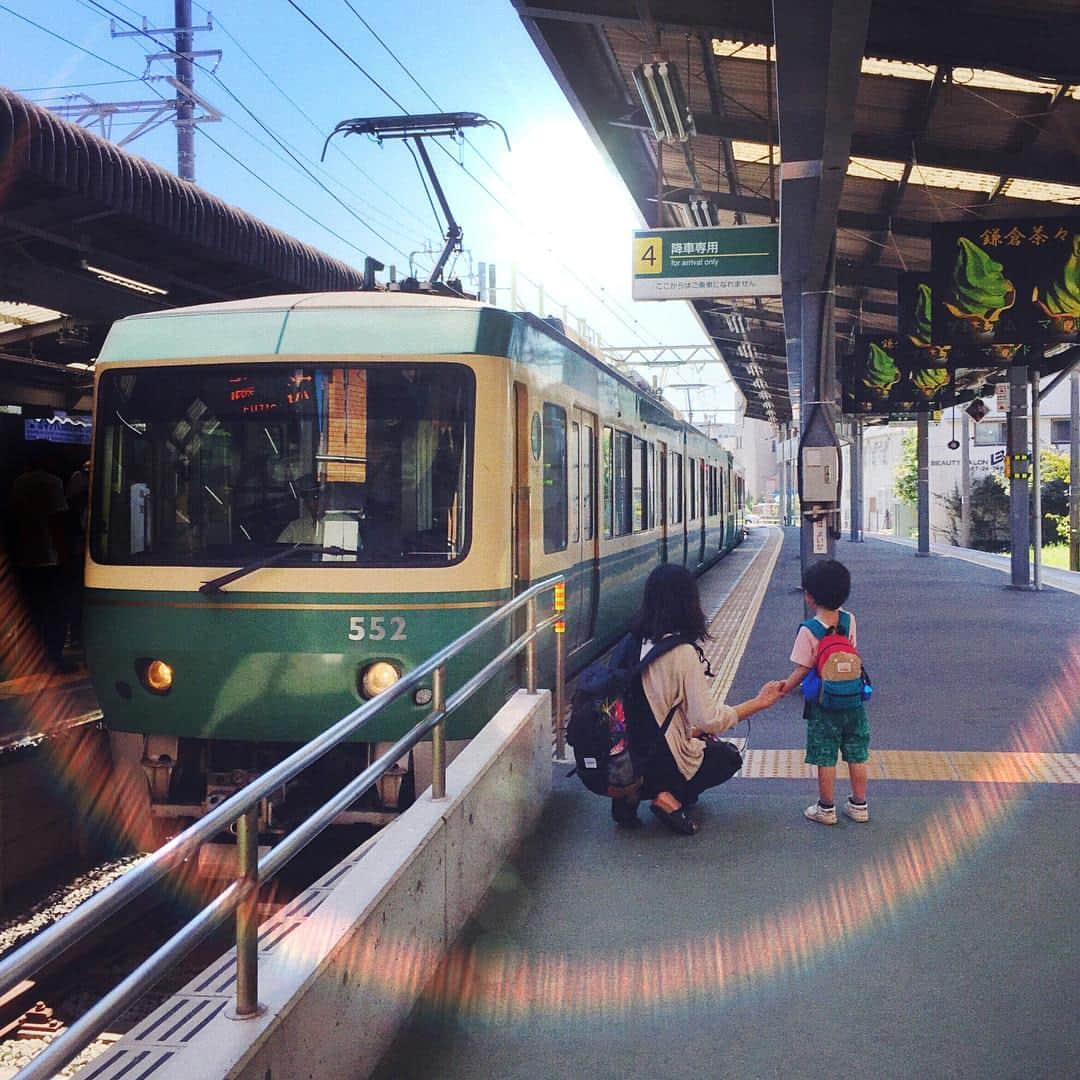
(242, 808)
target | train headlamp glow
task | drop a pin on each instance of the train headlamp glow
(156, 676)
(377, 677)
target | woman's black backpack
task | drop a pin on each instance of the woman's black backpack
(611, 728)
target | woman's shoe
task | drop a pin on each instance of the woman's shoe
(624, 812)
(675, 820)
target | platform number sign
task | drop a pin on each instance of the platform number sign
(693, 264)
(648, 254)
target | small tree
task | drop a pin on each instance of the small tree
(1054, 471)
(990, 514)
(906, 475)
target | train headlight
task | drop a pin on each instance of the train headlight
(155, 675)
(377, 677)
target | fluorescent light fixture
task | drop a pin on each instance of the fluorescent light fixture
(127, 283)
(702, 211)
(660, 89)
(683, 213)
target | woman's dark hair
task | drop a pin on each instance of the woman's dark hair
(671, 605)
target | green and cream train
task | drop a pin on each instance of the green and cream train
(296, 499)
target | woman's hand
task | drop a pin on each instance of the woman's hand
(770, 693)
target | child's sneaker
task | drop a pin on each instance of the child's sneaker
(816, 812)
(856, 811)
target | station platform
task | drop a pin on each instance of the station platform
(938, 939)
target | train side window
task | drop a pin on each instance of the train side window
(575, 482)
(676, 488)
(693, 490)
(654, 485)
(638, 495)
(608, 451)
(621, 493)
(587, 453)
(555, 521)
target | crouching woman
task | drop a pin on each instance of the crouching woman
(689, 758)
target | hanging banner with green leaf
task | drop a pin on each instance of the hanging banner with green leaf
(1006, 281)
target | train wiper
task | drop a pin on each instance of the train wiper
(217, 585)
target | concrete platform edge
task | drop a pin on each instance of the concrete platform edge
(341, 966)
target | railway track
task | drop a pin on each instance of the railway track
(38, 1009)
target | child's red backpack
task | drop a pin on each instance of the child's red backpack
(839, 679)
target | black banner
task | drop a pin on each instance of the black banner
(1006, 281)
(885, 376)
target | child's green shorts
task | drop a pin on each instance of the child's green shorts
(844, 732)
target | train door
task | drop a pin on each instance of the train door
(662, 494)
(583, 541)
(520, 524)
(703, 508)
(722, 500)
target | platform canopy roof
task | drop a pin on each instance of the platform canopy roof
(963, 109)
(90, 233)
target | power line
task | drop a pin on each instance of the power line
(163, 45)
(359, 67)
(620, 315)
(228, 153)
(76, 86)
(336, 147)
(266, 183)
(416, 82)
(68, 41)
(273, 136)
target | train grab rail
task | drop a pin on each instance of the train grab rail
(242, 808)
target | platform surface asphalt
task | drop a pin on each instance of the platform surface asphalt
(941, 939)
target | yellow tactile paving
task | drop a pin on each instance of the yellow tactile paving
(985, 767)
(730, 627)
(730, 630)
(916, 765)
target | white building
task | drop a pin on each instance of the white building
(883, 511)
(753, 442)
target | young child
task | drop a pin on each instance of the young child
(826, 585)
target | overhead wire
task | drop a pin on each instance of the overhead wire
(67, 41)
(621, 317)
(273, 136)
(219, 25)
(416, 82)
(266, 183)
(224, 150)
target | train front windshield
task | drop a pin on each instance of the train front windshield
(350, 465)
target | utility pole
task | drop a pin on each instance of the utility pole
(182, 108)
(185, 107)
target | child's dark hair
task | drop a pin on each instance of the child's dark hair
(828, 582)
(670, 605)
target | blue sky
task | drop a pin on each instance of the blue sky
(552, 206)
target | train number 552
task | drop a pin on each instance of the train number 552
(377, 628)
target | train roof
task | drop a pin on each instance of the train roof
(353, 298)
